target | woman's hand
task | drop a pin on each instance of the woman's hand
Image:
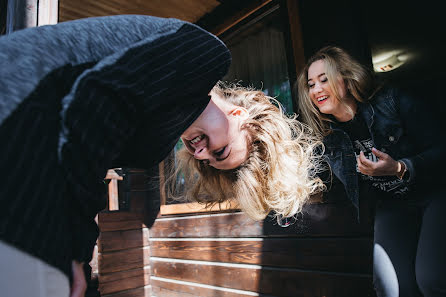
(79, 285)
(385, 165)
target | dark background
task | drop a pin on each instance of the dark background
(367, 28)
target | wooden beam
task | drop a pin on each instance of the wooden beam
(124, 280)
(117, 221)
(173, 288)
(265, 280)
(122, 240)
(123, 260)
(348, 255)
(48, 12)
(189, 11)
(113, 197)
(317, 220)
(239, 16)
(111, 174)
(21, 14)
(296, 34)
(194, 207)
(145, 291)
(162, 175)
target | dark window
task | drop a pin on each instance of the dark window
(259, 57)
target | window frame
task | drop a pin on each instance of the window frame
(239, 19)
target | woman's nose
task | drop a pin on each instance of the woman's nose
(317, 87)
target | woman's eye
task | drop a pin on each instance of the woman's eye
(324, 79)
(310, 85)
(220, 152)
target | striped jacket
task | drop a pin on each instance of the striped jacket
(80, 97)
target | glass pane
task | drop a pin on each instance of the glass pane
(259, 58)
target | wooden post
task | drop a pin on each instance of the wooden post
(113, 197)
(162, 174)
(48, 12)
(296, 35)
(21, 14)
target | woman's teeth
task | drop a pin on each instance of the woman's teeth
(321, 98)
(196, 139)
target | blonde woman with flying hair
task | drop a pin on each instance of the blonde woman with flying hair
(245, 149)
(382, 147)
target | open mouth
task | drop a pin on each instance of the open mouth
(194, 143)
(200, 141)
(197, 139)
(322, 99)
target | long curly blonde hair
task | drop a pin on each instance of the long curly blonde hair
(280, 173)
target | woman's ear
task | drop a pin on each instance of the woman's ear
(241, 112)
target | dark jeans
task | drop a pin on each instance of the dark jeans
(409, 256)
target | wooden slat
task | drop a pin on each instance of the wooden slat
(317, 220)
(139, 292)
(228, 277)
(326, 254)
(121, 240)
(162, 288)
(190, 10)
(277, 282)
(116, 276)
(124, 280)
(113, 221)
(226, 225)
(194, 207)
(123, 260)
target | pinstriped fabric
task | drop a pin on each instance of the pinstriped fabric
(127, 110)
(31, 179)
(28, 55)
